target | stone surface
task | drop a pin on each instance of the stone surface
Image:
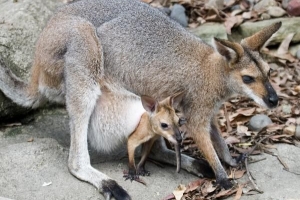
(293, 8)
(264, 5)
(25, 166)
(258, 122)
(285, 3)
(275, 11)
(289, 25)
(20, 25)
(272, 179)
(298, 54)
(297, 134)
(209, 30)
(178, 14)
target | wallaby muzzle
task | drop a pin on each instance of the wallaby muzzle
(271, 99)
(178, 138)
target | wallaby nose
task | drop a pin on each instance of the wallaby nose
(273, 100)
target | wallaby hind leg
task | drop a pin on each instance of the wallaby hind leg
(82, 72)
(220, 146)
(160, 152)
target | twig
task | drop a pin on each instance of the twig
(279, 158)
(258, 143)
(291, 171)
(246, 164)
(250, 177)
(258, 160)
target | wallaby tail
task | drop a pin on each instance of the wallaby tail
(111, 188)
(18, 90)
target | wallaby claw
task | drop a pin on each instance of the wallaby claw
(107, 195)
(133, 176)
(143, 172)
(225, 183)
(241, 158)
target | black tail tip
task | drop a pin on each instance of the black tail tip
(112, 188)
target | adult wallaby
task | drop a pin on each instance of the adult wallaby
(144, 52)
(160, 119)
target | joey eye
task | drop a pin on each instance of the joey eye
(164, 125)
(248, 79)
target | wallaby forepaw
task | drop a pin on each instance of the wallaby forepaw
(143, 172)
(133, 176)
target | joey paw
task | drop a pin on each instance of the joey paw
(132, 176)
(143, 172)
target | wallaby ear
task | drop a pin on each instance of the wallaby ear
(149, 103)
(176, 99)
(230, 50)
(256, 41)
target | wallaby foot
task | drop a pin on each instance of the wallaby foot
(225, 183)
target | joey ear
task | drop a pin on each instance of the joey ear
(176, 98)
(230, 50)
(256, 41)
(149, 103)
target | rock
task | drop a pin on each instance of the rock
(285, 3)
(289, 25)
(275, 11)
(286, 109)
(178, 14)
(264, 5)
(235, 7)
(298, 54)
(297, 132)
(289, 130)
(265, 16)
(293, 49)
(209, 30)
(258, 122)
(20, 25)
(293, 8)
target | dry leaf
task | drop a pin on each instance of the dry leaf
(178, 192)
(239, 192)
(194, 185)
(231, 140)
(284, 46)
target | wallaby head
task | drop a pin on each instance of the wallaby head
(247, 73)
(163, 119)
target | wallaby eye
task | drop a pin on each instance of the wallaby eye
(164, 125)
(248, 79)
